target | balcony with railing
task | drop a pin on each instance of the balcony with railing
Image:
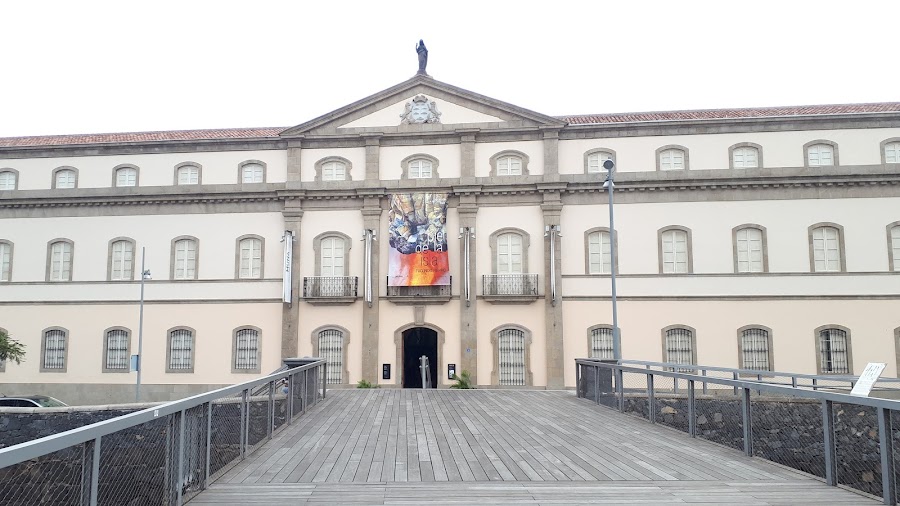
(435, 294)
(510, 288)
(330, 289)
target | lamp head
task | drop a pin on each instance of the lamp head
(609, 165)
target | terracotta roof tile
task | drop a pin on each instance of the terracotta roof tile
(117, 138)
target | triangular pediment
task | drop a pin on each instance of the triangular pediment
(456, 108)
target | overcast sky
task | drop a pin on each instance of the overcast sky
(91, 67)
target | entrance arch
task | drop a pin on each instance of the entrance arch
(413, 341)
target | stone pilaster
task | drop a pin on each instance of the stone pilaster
(293, 161)
(373, 148)
(290, 312)
(551, 154)
(371, 213)
(552, 207)
(468, 323)
(467, 157)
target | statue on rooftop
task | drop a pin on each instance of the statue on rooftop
(423, 57)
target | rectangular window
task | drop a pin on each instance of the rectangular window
(122, 258)
(680, 348)
(60, 261)
(55, 350)
(602, 344)
(5, 261)
(671, 159)
(188, 175)
(895, 246)
(181, 350)
(331, 348)
(892, 152)
(332, 256)
(599, 254)
(252, 173)
(820, 155)
(509, 166)
(251, 258)
(117, 350)
(755, 349)
(833, 352)
(334, 171)
(7, 180)
(745, 158)
(246, 349)
(511, 345)
(674, 252)
(749, 250)
(826, 249)
(126, 177)
(509, 254)
(185, 259)
(419, 169)
(65, 179)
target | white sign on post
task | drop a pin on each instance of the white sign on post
(286, 281)
(867, 379)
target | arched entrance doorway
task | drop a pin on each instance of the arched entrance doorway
(419, 341)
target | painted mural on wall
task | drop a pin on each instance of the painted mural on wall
(418, 238)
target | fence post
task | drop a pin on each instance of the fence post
(793, 382)
(705, 387)
(243, 426)
(886, 445)
(597, 383)
(748, 429)
(815, 383)
(289, 408)
(734, 376)
(651, 397)
(578, 380)
(692, 410)
(208, 443)
(180, 477)
(95, 472)
(325, 378)
(270, 413)
(828, 439)
(620, 376)
(305, 391)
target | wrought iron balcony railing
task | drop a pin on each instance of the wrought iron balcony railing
(420, 291)
(330, 286)
(515, 285)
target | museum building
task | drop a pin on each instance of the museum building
(428, 220)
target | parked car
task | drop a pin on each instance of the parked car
(31, 401)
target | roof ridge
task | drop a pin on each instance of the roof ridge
(767, 107)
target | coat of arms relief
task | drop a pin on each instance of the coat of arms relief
(420, 110)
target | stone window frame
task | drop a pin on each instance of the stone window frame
(259, 342)
(685, 150)
(3, 362)
(765, 247)
(348, 166)
(237, 257)
(188, 164)
(240, 168)
(665, 349)
(690, 249)
(818, 346)
(65, 366)
(526, 243)
(106, 332)
(614, 239)
(588, 153)
(15, 173)
(404, 164)
(740, 345)
(881, 146)
(590, 332)
(509, 152)
(317, 250)
(841, 248)
(172, 257)
(57, 171)
(834, 149)
(109, 259)
(12, 251)
(345, 346)
(48, 269)
(115, 175)
(896, 350)
(893, 265)
(759, 154)
(495, 346)
(169, 350)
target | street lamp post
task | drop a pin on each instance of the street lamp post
(610, 167)
(145, 274)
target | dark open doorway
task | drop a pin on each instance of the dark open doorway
(419, 341)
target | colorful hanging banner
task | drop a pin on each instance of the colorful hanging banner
(417, 236)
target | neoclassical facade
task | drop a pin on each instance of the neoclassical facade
(761, 238)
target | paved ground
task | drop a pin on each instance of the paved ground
(498, 447)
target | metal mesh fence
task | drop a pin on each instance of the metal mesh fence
(789, 432)
(133, 464)
(53, 479)
(719, 418)
(670, 403)
(895, 435)
(636, 400)
(195, 451)
(296, 391)
(225, 433)
(858, 453)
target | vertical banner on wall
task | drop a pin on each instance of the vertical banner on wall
(288, 240)
(418, 240)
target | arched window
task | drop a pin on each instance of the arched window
(599, 249)
(833, 348)
(755, 345)
(890, 151)
(509, 253)
(246, 350)
(894, 246)
(116, 350)
(827, 247)
(678, 346)
(250, 257)
(746, 155)
(180, 350)
(749, 249)
(672, 157)
(509, 163)
(419, 169)
(65, 178)
(126, 176)
(6, 259)
(600, 343)
(54, 350)
(8, 180)
(187, 174)
(820, 153)
(330, 346)
(331, 256)
(252, 171)
(335, 170)
(419, 166)
(511, 348)
(184, 258)
(593, 160)
(121, 259)
(59, 260)
(675, 251)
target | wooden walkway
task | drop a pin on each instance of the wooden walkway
(498, 447)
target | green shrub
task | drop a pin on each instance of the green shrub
(365, 384)
(463, 381)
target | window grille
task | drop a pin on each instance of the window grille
(826, 249)
(509, 254)
(122, 258)
(5, 261)
(891, 152)
(602, 343)
(189, 174)
(252, 173)
(680, 348)
(117, 349)
(419, 169)
(251, 258)
(334, 171)
(749, 250)
(246, 349)
(55, 349)
(745, 158)
(895, 246)
(126, 176)
(755, 349)
(599, 253)
(60, 261)
(675, 252)
(671, 159)
(833, 351)
(65, 179)
(509, 166)
(7, 180)
(595, 161)
(181, 350)
(511, 345)
(185, 259)
(820, 155)
(331, 348)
